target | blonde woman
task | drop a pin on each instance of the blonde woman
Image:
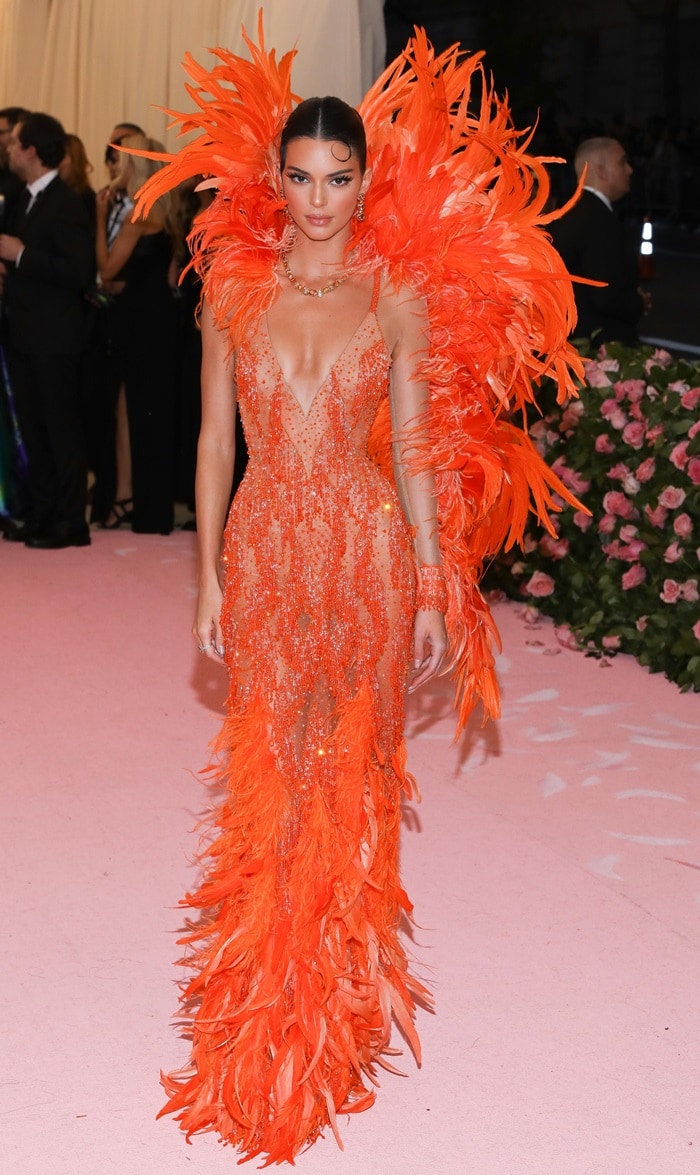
(143, 342)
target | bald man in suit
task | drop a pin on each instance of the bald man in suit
(593, 244)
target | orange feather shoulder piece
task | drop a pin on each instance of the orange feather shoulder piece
(455, 211)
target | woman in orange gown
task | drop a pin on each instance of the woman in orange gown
(379, 327)
(316, 620)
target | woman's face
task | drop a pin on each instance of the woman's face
(321, 185)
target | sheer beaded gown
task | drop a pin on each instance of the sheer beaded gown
(298, 966)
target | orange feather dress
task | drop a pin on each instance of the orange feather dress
(297, 966)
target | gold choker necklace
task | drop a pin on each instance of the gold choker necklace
(309, 292)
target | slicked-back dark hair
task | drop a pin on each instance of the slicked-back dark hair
(329, 119)
(46, 135)
(13, 114)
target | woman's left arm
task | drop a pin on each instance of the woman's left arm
(409, 416)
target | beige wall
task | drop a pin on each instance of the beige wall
(92, 63)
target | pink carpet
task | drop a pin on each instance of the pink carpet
(554, 864)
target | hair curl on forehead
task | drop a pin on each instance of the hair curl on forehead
(331, 120)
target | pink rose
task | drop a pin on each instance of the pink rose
(632, 551)
(656, 517)
(570, 477)
(611, 642)
(630, 389)
(603, 444)
(691, 398)
(641, 624)
(635, 412)
(671, 591)
(633, 434)
(565, 637)
(678, 385)
(673, 553)
(615, 502)
(596, 377)
(529, 544)
(689, 591)
(612, 551)
(630, 484)
(538, 429)
(646, 470)
(696, 630)
(633, 576)
(694, 430)
(653, 433)
(617, 472)
(628, 532)
(607, 524)
(660, 358)
(540, 584)
(571, 415)
(671, 497)
(679, 455)
(693, 470)
(581, 520)
(554, 548)
(683, 526)
(617, 419)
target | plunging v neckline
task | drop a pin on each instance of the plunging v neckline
(287, 386)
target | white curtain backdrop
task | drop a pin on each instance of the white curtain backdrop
(93, 63)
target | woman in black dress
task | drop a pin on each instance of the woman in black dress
(143, 339)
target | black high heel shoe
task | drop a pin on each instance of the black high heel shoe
(122, 512)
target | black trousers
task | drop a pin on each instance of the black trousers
(48, 399)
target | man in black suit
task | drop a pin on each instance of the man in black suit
(48, 260)
(592, 243)
(11, 185)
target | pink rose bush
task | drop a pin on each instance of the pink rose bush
(624, 578)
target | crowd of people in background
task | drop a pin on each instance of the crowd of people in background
(100, 348)
(100, 345)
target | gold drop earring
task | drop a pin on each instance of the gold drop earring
(360, 210)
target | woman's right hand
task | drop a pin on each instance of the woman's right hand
(207, 622)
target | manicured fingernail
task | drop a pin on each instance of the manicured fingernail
(220, 650)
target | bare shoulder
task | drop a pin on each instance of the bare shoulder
(402, 316)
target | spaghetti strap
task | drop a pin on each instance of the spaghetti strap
(375, 291)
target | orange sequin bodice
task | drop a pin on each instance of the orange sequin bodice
(319, 566)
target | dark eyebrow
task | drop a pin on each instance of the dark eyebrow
(330, 175)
